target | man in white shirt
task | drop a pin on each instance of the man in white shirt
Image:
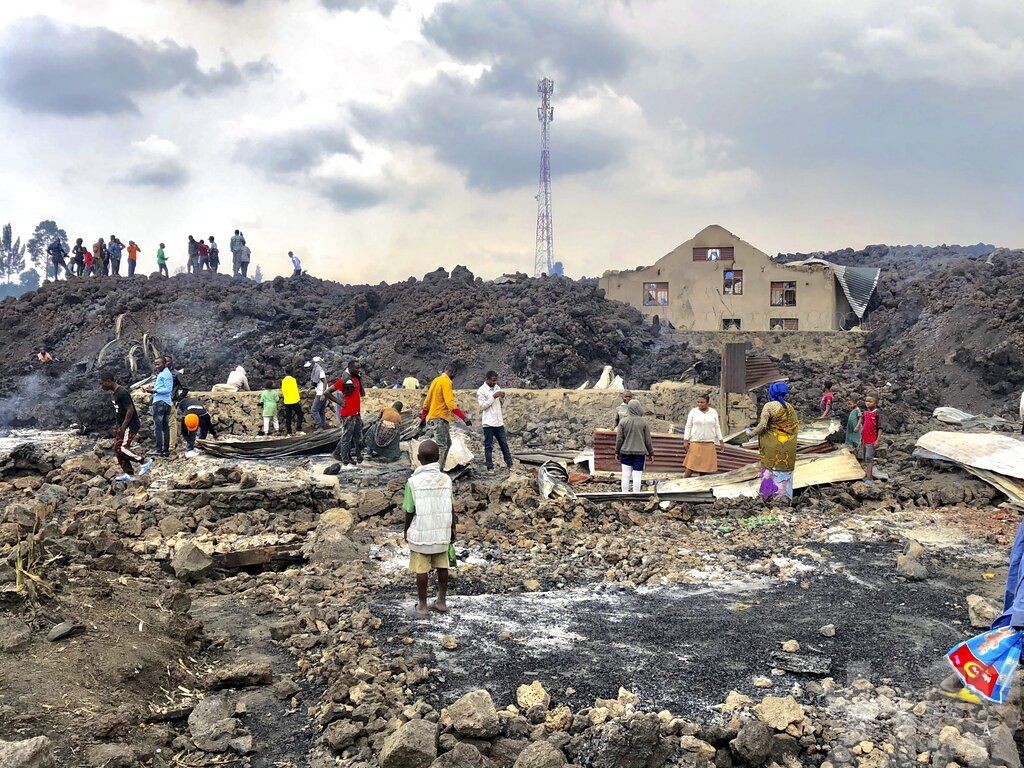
(490, 397)
(318, 379)
(296, 265)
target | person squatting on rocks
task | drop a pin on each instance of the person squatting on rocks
(114, 249)
(440, 409)
(870, 427)
(269, 398)
(126, 428)
(195, 421)
(162, 392)
(347, 393)
(292, 403)
(623, 410)
(429, 525)
(161, 261)
(318, 386)
(296, 265)
(703, 432)
(490, 397)
(633, 445)
(58, 255)
(776, 433)
(382, 437)
(236, 244)
(133, 256)
(237, 381)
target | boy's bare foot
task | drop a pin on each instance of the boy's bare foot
(440, 606)
(421, 609)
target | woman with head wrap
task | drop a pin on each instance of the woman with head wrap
(776, 433)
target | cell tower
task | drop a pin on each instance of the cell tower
(544, 256)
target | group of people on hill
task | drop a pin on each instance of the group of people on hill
(104, 257)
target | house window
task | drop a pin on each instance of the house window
(732, 282)
(713, 254)
(784, 324)
(784, 294)
(655, 294)
(731, 324)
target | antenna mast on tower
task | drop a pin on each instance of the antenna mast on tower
(544, 256)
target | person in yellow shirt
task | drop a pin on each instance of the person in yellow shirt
(439, 410)
(292, 405)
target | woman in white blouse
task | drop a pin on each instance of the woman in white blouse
(703, 433)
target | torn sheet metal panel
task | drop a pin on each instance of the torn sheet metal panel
(812, 433)
(536, 458)
(669, 454)
(281, 447)
(693, 498)
(998, 453)
(967, 420)
(760, 372)
(858, 284)
(553, 480)
(837, 467)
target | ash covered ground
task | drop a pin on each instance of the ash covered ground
(224, 612)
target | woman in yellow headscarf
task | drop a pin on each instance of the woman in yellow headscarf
(776, 433)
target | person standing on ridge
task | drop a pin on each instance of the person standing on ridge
(204, 256)
(58, 255)
(292, 403)
(161, 261)
(214, 255)
(133, 256)
(114, 248)
(193, 256)
(236, 244)
(439, 410)
(99, 258)
(296, 264)
(79, 252)
(162, 391)
(244, 256)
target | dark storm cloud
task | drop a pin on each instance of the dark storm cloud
(77, 71)
(347, 194)
(576, 44)
(162, 174)
(384, 7)
(294, 151)
(491, 139)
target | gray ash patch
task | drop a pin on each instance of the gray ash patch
(683, 647)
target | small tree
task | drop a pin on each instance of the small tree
(257, 276)
(29, 280)
(46, 232)
(12, 255)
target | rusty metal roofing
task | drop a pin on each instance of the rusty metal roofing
(761, 372)
(669, 454)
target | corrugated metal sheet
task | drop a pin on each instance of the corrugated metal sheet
(761, 372)
(858, 283)
(669, 454)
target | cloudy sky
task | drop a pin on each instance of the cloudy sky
(383, 138)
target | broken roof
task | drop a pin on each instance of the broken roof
(858, 283)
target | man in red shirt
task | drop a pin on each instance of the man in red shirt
(870, 426)
(347, 392)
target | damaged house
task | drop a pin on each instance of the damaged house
(717, 282)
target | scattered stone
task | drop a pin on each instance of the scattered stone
(982, 611)
(110, 756)
(806, 664)
(540, 754)
(1002, 748)
(190, 562)
(472, 715)
(558, 719)
(829, 630)
(463, 756)
(531, 585)
(909, 563)
(778, 712)
(242, 745)
(701, 749)
(967, 749)
(330, 542)
(212, 724)
(763, 682)
(341, 734)
(64, 630)
(14, 634)
(633, 742)
(532, 694)
(791, 646)
(753, 743)
(413, 745)
(29, 753)
(449, 643)
(244, 674)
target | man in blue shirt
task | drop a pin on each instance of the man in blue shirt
(114, 248)
(162, 407)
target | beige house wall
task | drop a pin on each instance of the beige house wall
(695, 289)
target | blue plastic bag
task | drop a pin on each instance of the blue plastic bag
(985, 664)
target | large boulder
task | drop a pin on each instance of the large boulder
(779, 712)
(30, 753)
(533, 694)
(330, 542)
(982, 611)
(473, 715)
(630, 743)
(190, 562)
(541, 754)
(413, 745)
(753, 743)
(463, 756)
(212, 724)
